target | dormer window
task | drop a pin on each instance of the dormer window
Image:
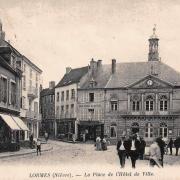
(92, 83)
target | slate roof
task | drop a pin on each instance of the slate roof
(73, 76)
(47, 91)
(7, 46)
(129, 73)
(101, 78)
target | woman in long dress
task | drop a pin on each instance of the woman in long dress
(104, 144)
(98, 144)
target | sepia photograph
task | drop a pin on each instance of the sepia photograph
(89, 89)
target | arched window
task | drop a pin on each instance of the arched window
(113, 130)
(135, 102)
(148, 130)
(135, 127)
(163, 103)
(149, 103)
(163, 130)
(135, 105)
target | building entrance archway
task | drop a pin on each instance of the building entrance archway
(135, 128)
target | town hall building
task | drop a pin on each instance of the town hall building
(126, 98)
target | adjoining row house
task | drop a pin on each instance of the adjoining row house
(28, 87)
(66, 102)
(126, 98)
(47, 109)
(31, 83)
(12, 128)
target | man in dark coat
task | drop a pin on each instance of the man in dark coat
(177, 145)
(133, 145)
(170, 145)
(31, 140)
(142, 148)
(162, 145)
(122, 150)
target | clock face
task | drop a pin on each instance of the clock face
(149, 82)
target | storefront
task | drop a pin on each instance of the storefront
(91, 129)
(65, 128)
(12, 131)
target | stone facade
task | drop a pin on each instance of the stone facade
(140, 97)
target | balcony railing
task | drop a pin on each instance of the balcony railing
(32, 92)
(33, 115)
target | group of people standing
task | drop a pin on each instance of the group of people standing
(175, 143)
(101, 144)
(158, 148)
(132, 147)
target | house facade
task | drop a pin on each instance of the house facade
(91, 101)
(66, 103)
(12, 128)
(47, 109)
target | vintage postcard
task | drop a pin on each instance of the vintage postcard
(89, 89)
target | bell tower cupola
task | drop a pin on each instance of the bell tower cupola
(153, 46)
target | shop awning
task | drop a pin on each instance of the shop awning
(10, 122)
(20, 123)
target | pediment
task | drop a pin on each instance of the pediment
(150, 82)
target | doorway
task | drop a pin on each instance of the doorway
(135, 128)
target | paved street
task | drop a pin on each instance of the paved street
(84, 154)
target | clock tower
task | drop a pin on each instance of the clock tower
(153, 47)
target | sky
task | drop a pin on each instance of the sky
(55, 34)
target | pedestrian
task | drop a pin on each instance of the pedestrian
(122, 148)
(31, 138)
(84, 137)
(38, 147)
(98, 143)
(74, 138)
(162, 146)
(133, 146)
(177, 145)
(155, 155)
(142, 148)
(46, 136)
(128, 146)
(104, 144)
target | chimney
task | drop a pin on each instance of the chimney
(2, 34)
(92, 64)
(68, 69)
(99, 64)
(51, 84)
(113, 66)
(93, 67)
